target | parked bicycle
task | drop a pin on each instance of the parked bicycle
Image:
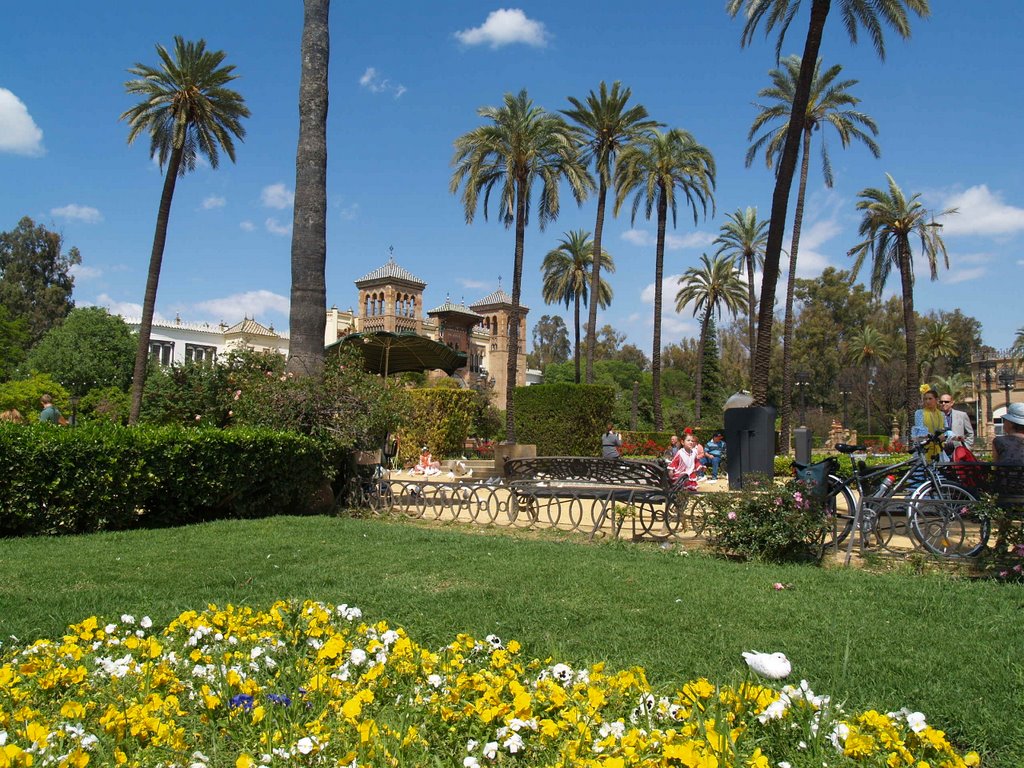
(937, 513)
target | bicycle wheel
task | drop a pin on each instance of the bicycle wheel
(945, 521)
(839, 508)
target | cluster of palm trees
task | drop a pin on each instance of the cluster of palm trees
(522, 145)
(188, 111)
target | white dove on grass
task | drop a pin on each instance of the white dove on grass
(774, 666)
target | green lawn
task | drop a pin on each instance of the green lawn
(948, 647)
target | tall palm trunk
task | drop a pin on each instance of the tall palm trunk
(659, 268)
(308, 311)
(787, 330)
(513, 330)
(698, 383)
(576, 323)
(751, 309)
(156, 259)
(909, 326)
(595, 282)
(780, 201)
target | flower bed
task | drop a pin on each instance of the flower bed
(312, 684)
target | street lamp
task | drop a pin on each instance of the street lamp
(1007, 379)
(802, 380)
(74, 410)
(987, 366)
(845, 394)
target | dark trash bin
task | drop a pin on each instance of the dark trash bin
(750, 441)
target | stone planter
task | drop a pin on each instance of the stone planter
(503, 451)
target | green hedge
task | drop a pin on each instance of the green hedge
(783, 463)
(564, 419)
(105, 477)
(439, 418)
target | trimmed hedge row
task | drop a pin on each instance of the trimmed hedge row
(564, 419)
(102, 477)
(783, 464)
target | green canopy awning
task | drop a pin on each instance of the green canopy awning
(385, 353)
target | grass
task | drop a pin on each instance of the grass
(946, 646)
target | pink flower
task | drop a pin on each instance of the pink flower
(1018, 568)
(1019, 550)
(198, 417)
(238, 393)
(798, 497)
(778, 501)
(1003, 574)
(778, 586)
(731, 516)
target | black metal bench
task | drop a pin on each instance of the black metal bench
(619, 489)
(1004, 484)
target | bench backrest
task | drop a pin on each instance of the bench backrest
(587, 469)
(1006, 482)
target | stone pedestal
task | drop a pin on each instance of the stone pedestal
(504, 451)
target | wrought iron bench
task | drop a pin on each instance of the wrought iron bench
(616, 490)
(1004, 484)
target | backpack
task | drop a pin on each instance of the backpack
(966, 475)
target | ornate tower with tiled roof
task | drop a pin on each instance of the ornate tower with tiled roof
(390, 299)
(496, 310)
(455, 326)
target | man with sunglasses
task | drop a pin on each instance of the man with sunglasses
(958, 426)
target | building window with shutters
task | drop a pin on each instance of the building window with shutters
(162, 352)
(198, 353)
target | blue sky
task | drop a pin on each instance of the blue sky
(407, 78)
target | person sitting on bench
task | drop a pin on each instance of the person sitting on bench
(682, 470)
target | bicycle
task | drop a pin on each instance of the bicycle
(939, 514)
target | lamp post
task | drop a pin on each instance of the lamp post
(801, 380)
(74, 410)
(987, 366)
(845, 394)
(1007, 379)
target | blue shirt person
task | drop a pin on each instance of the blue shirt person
(714, 450)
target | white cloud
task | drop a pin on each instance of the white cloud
(73, 212)
(247, 226)
(350, 212)
(274, 227)
(981, 212)
(955, 276)
(374, 82)
(277, 196)
(672, 242)
(126, 309)
(673, 324)
(214, 201)
(250, 304)
(82, 272)
(19, 133)
(476, 285)
(505, 27)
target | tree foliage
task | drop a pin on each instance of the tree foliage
(550, 340)
(35, 279)
(91, 349)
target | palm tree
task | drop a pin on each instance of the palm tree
(780, 13)
(308, 310)
(709, 287)
(521, 145)
(889, 221)
(188, 111)
(936, 340)
(606, 126)
(743, 237)
(1018, 343)
(567, 270)
(830, 103)
(958, 385)
(867, 349)
(653, 168)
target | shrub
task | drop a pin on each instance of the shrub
(563, 419)
(24, 395)
(101, 477)
(439, 418)
(769, 522)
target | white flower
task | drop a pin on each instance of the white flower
(127, 618)
(110, 628)
(357, 656)
(774, 666)
(784, 764)
(838, 735)
(146, 622)
(495, 641)
(255, 653)
(513, 743)
(491, 750)
(470, 762)
(915, 720)
(774, 711)
(434, 681)
(562, 673)
(305, 745)
(471, 745)
(389, 637)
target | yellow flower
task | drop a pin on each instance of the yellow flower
(924, 388)
(244, 761)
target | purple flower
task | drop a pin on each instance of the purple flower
(242, 701)
(279, 698)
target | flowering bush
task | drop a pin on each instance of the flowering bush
(769, 521)
(313, 685)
